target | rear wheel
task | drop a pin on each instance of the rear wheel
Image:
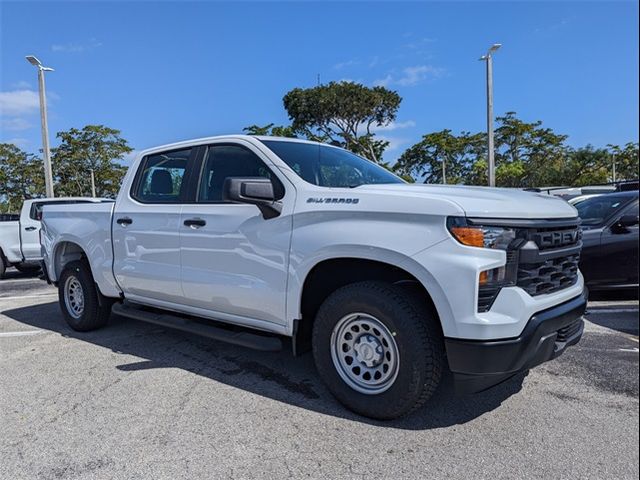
(378, 349)
(80, 301)
(3, 266)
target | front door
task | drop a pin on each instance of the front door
(619, 247)
(146, 229)
(234, 261)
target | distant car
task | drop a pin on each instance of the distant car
(576, 200)
(609, 257)
(20, 234)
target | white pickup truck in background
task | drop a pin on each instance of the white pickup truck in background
(251, 239)
(20, 234)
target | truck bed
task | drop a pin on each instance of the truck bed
(10, 239)
(84, 225)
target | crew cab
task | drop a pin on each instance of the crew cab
(251, 239)
(20, 234)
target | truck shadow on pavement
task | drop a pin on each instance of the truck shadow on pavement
(278, 376)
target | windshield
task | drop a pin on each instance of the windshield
(329, 166)
(595, 211)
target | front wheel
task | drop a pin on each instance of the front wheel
(79, 298)
(377, 349)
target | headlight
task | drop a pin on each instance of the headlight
(490, 282)
(482, 236)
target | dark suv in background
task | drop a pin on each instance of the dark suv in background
(609, 257)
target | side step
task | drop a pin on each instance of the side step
(169, 320)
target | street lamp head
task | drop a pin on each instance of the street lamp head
(491, 51)
(33, 61)
(37, 63)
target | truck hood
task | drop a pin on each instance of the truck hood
(484, 201)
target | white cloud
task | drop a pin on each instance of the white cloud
(347, 63)
(22, 85)
(76, 47)
(419, 43)
(394, 142)
(395, 126)
(18, 142)
(18, 102)
(411, 76)
(384, 82)
(129, 157)
(15, 124)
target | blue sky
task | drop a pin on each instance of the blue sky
(163, 72)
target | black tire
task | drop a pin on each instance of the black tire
(95, 309)
(28, 268)
(3, 266)
(415, 332)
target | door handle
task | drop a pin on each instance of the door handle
(194, 223)
(30, 229)
(124, 221)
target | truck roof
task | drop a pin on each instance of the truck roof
(203, 140)
(64, 199)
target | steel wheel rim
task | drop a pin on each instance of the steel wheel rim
(365, 353)
(74, 297)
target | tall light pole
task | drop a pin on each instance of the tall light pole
(444, 171)
(614, 167)
(48, 176)
(93, 183)
(488, 58)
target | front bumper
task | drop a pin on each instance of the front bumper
(480, 364)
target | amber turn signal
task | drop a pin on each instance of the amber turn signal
(471, 236)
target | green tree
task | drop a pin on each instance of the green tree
(270, 130)
(94, 147)
(441, 154)
(582, 166)
(626, 160)
(21, 177)
(527, 154)
(343, 113)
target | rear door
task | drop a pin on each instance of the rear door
(234, 262)
(146, 228)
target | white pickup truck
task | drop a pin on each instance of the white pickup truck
(20, 234)
(251, 239)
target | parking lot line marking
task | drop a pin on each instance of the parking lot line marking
(28, 296)
(21, 334)
(633, 350)
(611, 310)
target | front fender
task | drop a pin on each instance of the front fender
(300, 270)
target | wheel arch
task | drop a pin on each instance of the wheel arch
(329, 274)
(64, 252)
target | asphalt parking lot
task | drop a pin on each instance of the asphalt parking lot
(137, 401)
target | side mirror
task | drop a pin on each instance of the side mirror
(254, 191)
(623, 223)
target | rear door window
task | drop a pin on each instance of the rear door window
(162, 177)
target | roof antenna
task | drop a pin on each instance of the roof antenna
(318, 79)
